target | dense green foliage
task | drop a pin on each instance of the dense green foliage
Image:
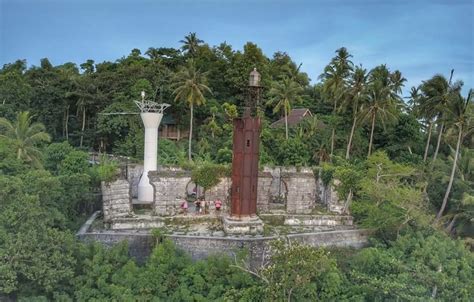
(404, 170)
(208, 175)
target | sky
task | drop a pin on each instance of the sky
(419, 38)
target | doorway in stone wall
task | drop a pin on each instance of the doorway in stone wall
(193, 191)
(278, 192)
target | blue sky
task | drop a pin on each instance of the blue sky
(420, 38)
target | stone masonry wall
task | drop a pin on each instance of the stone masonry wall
(170, 190)
(327, 196)
(220, 191)
(134, 172)
(200, 247)
(265, 180)
(116, 199)
(302, 190)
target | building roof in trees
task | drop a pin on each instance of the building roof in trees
(294, 118)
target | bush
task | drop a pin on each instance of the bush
(108, 170)
(327, 173)
(224, 156)
(54, 154)
(208, 175)
(76, 162)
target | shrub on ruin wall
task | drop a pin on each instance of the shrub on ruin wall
(107, 170)
(327, 173)
(208, 175)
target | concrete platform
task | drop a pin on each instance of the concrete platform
(242, 226)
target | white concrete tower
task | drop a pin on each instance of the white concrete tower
(151, 114)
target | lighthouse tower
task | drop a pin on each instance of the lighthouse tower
(151, 114)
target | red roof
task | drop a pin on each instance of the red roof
(295, 116)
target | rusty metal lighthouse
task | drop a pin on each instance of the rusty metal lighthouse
(246, 142)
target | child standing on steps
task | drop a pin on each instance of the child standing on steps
(197, 203)
(184, 207)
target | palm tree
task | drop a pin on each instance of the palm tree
(335, 78)
(284, 93)
(383, 100)
(309, 127)
(191, 43)
(460, 115)
(439, 93)
(422, 109)
(25, 136)
(190, 87)
(321, 154)
(356, 96)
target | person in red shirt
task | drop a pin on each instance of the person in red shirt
(218, 204)
(184, 207)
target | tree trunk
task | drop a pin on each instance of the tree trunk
(83, 125)
(349, 144)
(427, 147)
(348, 201)
(190, 133)
(67, 123)
(64, 123)
(441, 128)
(451, 179)
(435, 288)
(371, 134)
(333, 133)
(450, 227)
(286, 124)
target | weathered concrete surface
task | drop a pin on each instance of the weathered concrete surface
(280, 190)
(220, 191)
(250, 225)
(116, 199)
(170, 190)
(199, 247)
(302, 190)
(134, 172)
(327, 195)
(318, 220)
(136, 222)
(265, 179)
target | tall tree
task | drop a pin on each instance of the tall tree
(283, 94)
(421, 109)
(383, 100)
(191, 43)
(357, 94)
(25, 136)
(190, 87)
(84, 94)
(460, 114)
(335, 78)
(439, 93)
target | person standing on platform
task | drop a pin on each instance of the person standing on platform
(184, 207)
(218, 205)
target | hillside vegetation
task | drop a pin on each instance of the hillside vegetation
(405, 167)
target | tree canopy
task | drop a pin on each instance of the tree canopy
(404, 170)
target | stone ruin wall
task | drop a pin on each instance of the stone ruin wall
(171, 187)
(134, 172)
(116, 199)
(300, 191)
(200, 247)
